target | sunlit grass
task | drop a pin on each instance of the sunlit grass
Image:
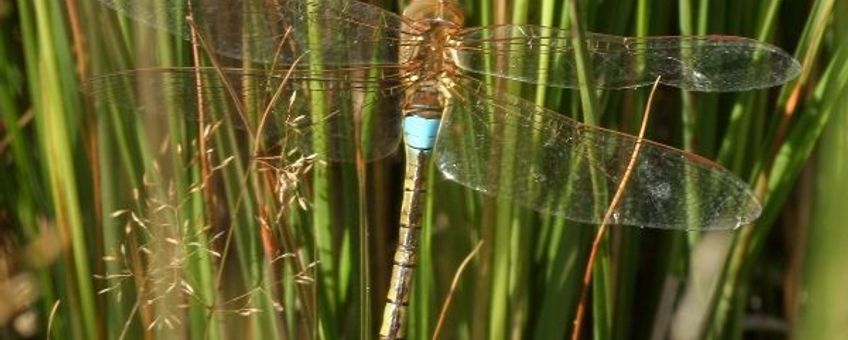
(117, 224)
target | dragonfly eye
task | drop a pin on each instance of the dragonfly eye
(435, 10)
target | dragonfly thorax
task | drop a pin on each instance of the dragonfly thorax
(427, 48)
(426, 53)
(429, 38)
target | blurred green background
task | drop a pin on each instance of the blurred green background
(112, 227)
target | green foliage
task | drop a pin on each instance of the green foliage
(121, 225)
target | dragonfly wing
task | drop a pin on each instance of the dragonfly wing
(543, 55)
(542, 160)
(327, 32)
(333, 114)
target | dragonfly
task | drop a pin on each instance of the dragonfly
(363, 80)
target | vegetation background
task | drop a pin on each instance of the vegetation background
(108, 231)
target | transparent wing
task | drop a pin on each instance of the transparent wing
(697, 63)
(328, 32)
(337, 115)
(553, 164)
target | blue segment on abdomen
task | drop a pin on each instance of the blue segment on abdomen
(419, 132)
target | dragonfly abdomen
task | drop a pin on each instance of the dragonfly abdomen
(419, 134)
(422, 112)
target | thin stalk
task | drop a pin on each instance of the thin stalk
(321, 210)
(46, 45)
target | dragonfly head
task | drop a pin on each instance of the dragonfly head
(435, 10)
